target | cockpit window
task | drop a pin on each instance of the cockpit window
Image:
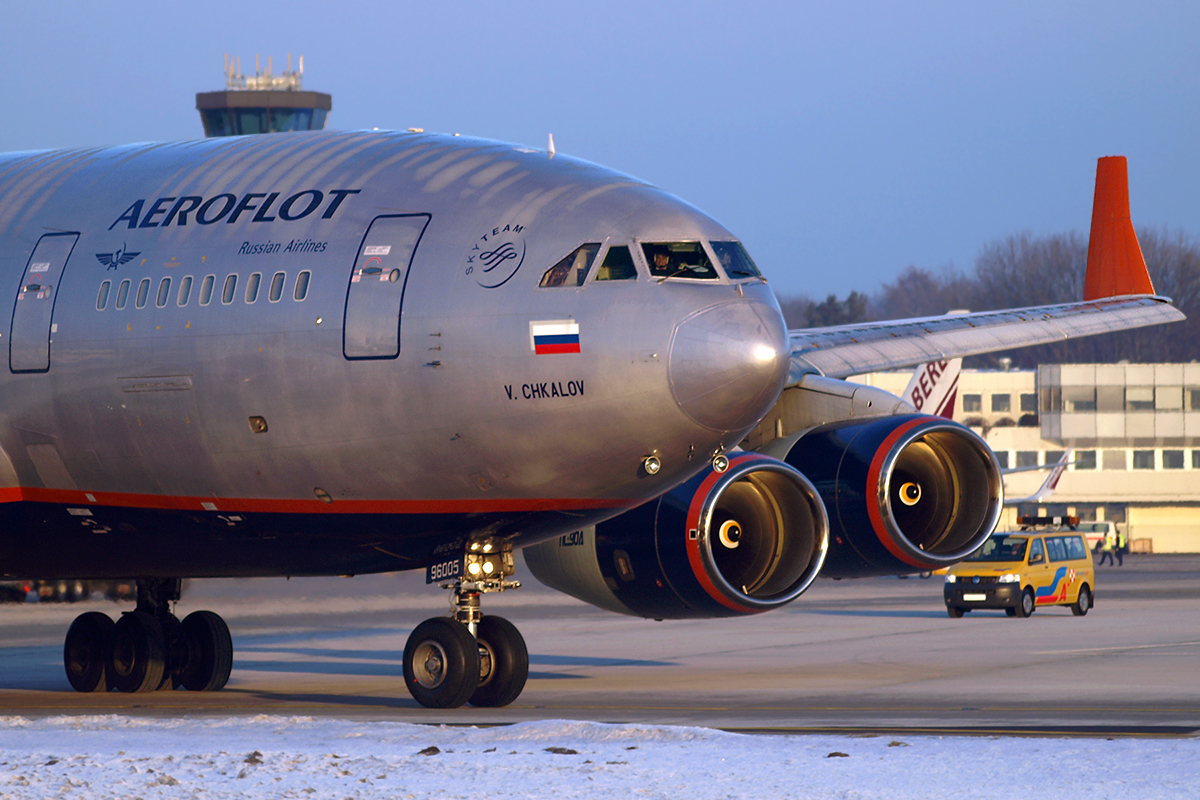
(573, 269)
(735, 260)
(678, 260)
(617, 266)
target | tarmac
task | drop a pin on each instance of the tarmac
(860, 656)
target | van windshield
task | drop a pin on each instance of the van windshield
(1001, 548)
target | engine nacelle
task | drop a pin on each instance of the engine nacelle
(749, 539)
(905, 493)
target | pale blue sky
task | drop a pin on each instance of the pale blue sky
(841, 142)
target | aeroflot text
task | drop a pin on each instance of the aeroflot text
(167, 211)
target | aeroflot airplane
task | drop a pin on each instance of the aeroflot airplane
(339, 353)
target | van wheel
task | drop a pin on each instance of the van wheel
(1027, 603)
(1083, 602)
(954, 611)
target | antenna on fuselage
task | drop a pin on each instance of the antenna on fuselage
(550, 149)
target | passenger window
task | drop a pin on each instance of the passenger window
(1036, 554)
(573, 269)
(164, 292)
(206, 289)
(185, 290)
(1076, 548)
(142, 293)
(102, 297)
(678, 260)
(252, 286)
(230, 289)
(1056, 549)
(277, 287)
(617, 266)
(735, 260)
(301, 291)
(122, 294)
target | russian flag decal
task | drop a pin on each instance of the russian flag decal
(554, 336)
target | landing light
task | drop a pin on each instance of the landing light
(764, 353)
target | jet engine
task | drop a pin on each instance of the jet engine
(748, 539)
(905, 493)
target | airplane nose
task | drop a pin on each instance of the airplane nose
(728, 364)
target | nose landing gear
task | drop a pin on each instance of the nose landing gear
(149, 648)
(470, 658)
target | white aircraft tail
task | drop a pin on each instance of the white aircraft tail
(934, 387)
(1049, 485)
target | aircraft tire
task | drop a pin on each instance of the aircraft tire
(138, 658)
(505, 648)
(441, 663)
(209, 650)
(86, 652)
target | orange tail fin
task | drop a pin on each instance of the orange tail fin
(1115, 265)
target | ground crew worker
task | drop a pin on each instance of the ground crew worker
(1120, 549)
(1106, 550)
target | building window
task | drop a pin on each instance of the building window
(1168, 398)
(1026, 458)
(1115, 459)
(1143, 459)
(1002, 458)
(972, 402)
(1029, 403)
(1139, 398)
(1085, 459)
(1193, 399)
(1077, 399)
(1110, 398)
(1001, 402)
(1052, 456)
(1172, 459)
(1196, 459)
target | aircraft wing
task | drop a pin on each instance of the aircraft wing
(845, 350)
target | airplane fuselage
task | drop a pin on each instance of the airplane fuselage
(333, 353)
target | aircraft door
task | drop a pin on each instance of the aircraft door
(33, 312)
(376, 293)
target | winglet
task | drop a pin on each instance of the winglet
(1115, 265)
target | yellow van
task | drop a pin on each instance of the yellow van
(1023, 571)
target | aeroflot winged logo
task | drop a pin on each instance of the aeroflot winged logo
(114, 260)
(166, 211)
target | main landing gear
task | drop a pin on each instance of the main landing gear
(470, 657)
(149, 648)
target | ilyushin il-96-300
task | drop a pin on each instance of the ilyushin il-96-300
(344, 353)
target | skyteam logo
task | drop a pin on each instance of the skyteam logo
(496, 256)
(117, 259)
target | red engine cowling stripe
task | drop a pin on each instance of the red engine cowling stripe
(873, 510)
(693, 545)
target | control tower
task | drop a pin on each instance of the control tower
(264, 103)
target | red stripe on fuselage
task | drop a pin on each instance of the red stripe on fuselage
(306, 505)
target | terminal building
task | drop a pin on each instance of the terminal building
(264, 103)
(1134, 428)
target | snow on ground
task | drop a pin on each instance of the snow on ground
(305, 757)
